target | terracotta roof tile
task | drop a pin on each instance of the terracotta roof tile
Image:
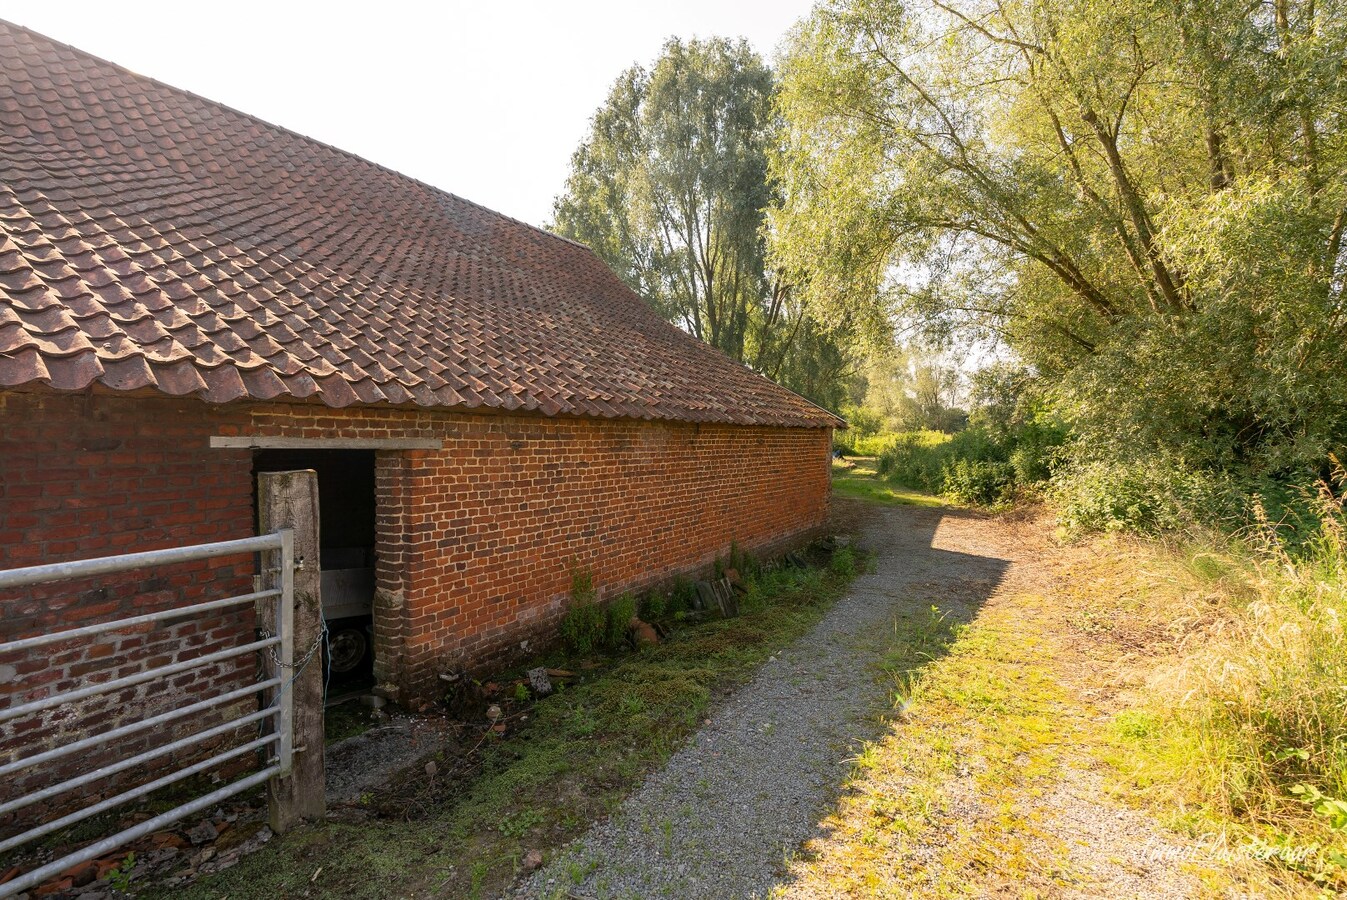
(153, 239)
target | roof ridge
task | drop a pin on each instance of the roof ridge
(278, 127)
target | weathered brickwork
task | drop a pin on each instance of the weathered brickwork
(82, 478)
(475, 542)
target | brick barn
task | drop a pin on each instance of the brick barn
(189, 296)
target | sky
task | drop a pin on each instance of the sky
(484, 99)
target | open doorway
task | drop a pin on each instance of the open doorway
(346, 529)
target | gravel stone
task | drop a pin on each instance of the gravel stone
(367, 761)
(724, 814)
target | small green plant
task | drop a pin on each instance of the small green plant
(521, 823)
(681, 594)
(521, 692)
(119, 878)
(620, 613)
(1135, 724)
(583, 721)
(667, 830)
(583, 626)
(1335, 811)
(479, 872)
(743, 562)
(843, 563)
(654, 605)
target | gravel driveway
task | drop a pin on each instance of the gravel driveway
(721, 818)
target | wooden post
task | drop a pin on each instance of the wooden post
(290, 500)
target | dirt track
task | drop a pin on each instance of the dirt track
(764, 801)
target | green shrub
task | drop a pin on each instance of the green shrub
(654, 605)
(681, 594)
(1031, 464)
(620, 613)
(979, 481)
(915, 459)
(976, 465)
(583, 628)
(1146, 496)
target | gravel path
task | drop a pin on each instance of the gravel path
(720, 819)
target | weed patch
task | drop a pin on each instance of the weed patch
(1246, 728)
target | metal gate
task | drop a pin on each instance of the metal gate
(278, 640)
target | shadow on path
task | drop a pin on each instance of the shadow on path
(721, 817)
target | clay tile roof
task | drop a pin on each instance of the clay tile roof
(151, 239)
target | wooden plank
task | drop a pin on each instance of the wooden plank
(260, 442)
(290, 500)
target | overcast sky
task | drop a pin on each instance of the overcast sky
(484, 99)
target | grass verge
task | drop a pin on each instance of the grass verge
(1121, 717)
(584, 748)
(858, 482)
(935, 807)
(1242, 734)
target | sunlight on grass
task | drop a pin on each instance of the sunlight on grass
(979, 715)
(1002, 724)
(860, 481)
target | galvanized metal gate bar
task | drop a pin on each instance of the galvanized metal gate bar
(106, 565)
(134, 727)
(280, 548)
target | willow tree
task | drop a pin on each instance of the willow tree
(671, 187)
(1145, 198)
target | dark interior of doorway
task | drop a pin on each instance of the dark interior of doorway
(346, 529)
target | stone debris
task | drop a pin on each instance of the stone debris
(203, 833)
(539, 682)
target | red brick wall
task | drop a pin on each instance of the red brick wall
(475, 541)
(84, 478)
(492, 525)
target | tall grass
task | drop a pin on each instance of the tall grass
(1258, 709)
(874, 444)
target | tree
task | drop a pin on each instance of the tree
(670, 188)
(908, 390)
(1144, 198)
